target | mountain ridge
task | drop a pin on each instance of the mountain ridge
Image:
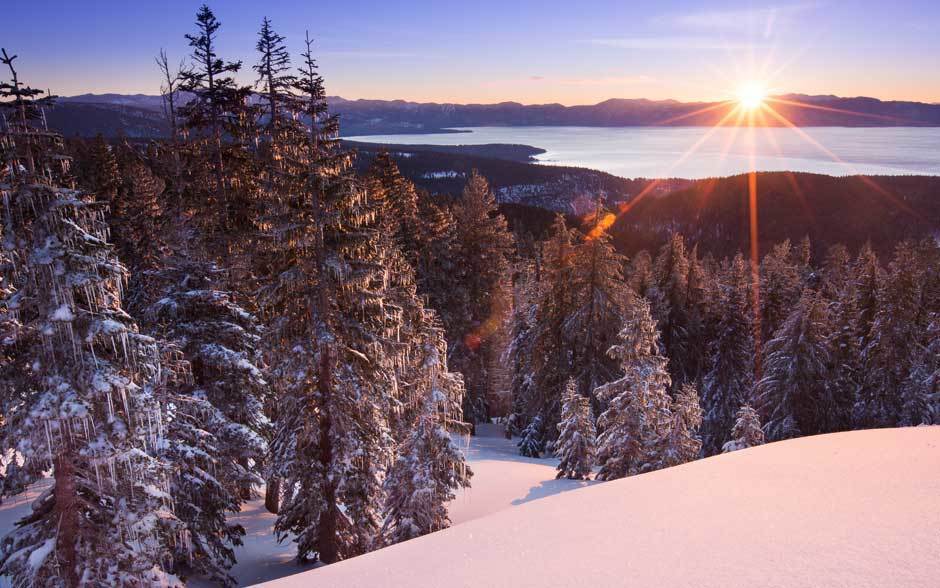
(371, 117)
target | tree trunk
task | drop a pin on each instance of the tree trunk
(66, 508)
(272, 495)
(327, 544)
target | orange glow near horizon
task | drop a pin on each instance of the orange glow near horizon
(750, 110)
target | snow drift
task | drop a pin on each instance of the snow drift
(849, 509)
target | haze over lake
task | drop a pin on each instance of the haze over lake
(665, 152)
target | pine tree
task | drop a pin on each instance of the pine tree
(637, 417)
(671, 271)
(333, 338)
(430, 467)
(580, 308)
(402, 199)
(845, 361)
(747, 430)
(274, 80)
(682, 444)
(482, 247)
(780, 287)
(920, 392)
(575, 446)
(899, 324)
(88, 407)
(532, 443)
(793, 388)
(730, 378)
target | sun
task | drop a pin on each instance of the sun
(751, 95)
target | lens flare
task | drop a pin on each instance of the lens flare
(751, 95)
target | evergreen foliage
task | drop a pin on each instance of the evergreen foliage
(575, 446)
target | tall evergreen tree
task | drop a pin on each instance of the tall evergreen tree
(792, 392)
(681, 444)
(900, 321)
(430, 466)
(575, 446)
(88, 406)
(730, 377)
(482, 248)
(637, 417)
(671, 272)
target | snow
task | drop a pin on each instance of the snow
(63, 313)
(857, 509)
(501, 480)
(40, 554)
(853, 509)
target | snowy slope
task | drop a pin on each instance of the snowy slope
(502, 479)
(851, 509)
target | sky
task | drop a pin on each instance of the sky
(484, 51)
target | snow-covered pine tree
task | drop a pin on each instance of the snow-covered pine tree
(747, 431)
(699, 317)
(729, 381)
(580, 308)
(920, 392)
(845, 361)
(671, 272)
(681, 444)
(796, 361)
(430, 466)
(482, 248)
(532, 443)
(780, 287)
(541, 331)
(213, 120)
(402, 204)
(326, 299)
(577, 436)
(637, 417)
(598, 308)
(899, 325)
(87, 408)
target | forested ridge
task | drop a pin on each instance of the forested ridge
(242, 308)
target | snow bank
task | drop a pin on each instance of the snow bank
(851, 509)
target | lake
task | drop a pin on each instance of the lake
(655, 152)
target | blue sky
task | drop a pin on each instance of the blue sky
(490, 51)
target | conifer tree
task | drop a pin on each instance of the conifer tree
(796, 362)
(747, 431)
(580, 309)
(334, 364)
(637, 418)
(920, 392)
(532, 443)
(780, 287)
(682, 443)
(730, 378)
(482, 248)
(430, 467)
(402, 204)
(575, 446)
(901, 319)
(88, 406)
(671, 272)
(844, 369)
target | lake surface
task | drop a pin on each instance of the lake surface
(668, 152)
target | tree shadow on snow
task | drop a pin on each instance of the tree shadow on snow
(550, 488)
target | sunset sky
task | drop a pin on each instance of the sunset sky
(490, 51)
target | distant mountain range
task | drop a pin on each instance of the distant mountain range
(141, 116)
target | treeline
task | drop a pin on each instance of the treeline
(187, 321)
(681, 355)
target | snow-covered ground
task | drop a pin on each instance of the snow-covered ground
(502, 479)
(859, 509)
